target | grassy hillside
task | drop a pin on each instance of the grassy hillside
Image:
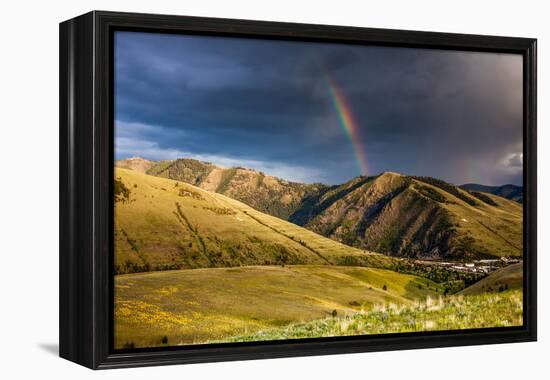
(397, 215)
(165, 224)
(263, 192)
(454, 313)
(510, 277)
(213, 268)
(194, 306)
(416, 217)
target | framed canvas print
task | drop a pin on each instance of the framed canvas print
(238, 189)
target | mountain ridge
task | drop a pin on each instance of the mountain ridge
(165, 224)
(420, 217)
(508, 191)
(273, 195)
(395, 214)
(136, 163)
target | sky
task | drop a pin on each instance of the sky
(319, 112)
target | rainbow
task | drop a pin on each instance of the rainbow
(348, 124)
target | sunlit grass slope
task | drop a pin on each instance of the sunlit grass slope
(394, 214)
(168, 224)
(200, 305)
(458, 312)
(495, 230)
(416, 217)
(510, 277)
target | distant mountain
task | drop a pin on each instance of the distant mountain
(265, 193)
(136, 163)
(509, 191)
(394, 214)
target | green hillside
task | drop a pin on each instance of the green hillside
(165, 224)
(452, 313)
(201, 305)
(510, 277)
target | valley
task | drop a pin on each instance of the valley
(204, 254)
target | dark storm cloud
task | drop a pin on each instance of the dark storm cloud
(265, 104)
(515, 160)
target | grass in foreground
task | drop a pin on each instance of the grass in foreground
(201, 305)
(453, 313)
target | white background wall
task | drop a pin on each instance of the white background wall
(29, 187)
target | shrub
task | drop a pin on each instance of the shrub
(349, 261)
(164, 340)
(431, 193)
(448, 188)
(190, 193)
(220, 210)
(384, 287)
(483, 197)
(122, 193)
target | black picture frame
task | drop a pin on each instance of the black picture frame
(86, 172)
